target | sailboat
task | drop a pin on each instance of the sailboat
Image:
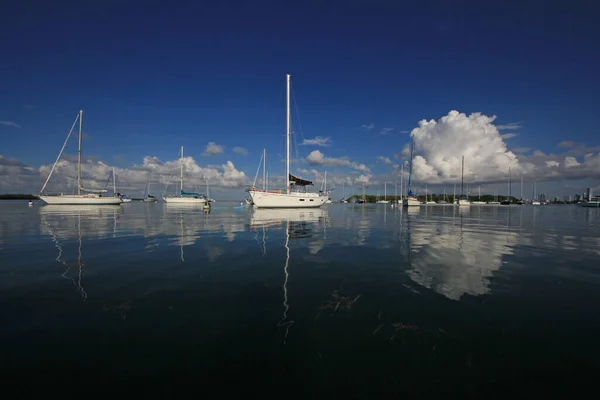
(185, 197)
(463, 200)
(385, 200)
(535, 201)
(428, 201)
(410, 199)
(92, 197)
(125, 198)
(287, 198)
(328, 201)
(148, 198)
(479, 202)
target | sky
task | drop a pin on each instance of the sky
(505, 85)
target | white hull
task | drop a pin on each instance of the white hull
(411, 201)
(591, 204)
(287, 200)
(184, 200)
(462, 202)
(535, 203)
(478, 202)
(126, 200)
(84, 199)
(383, 202)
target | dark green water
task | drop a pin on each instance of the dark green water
(345, 301)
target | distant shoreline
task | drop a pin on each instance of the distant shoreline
(18, 196)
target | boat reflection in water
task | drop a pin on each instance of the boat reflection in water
(298, 224)
(188, 215)
(64, 223)
(457, 252)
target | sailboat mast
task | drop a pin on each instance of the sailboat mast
(402, 181)
(264, 169)
(287, 137)
(181, 171)
(114, 181)
(385, 190)
(412, 145)
(509, 183)
(521, 188)
(462, 177)
(79, 153)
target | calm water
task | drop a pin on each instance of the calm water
(348, 299)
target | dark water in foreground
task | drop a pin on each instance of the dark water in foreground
(345, 301)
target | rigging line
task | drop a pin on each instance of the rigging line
(60, 154)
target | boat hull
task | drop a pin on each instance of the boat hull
(81, 200)
(287, 200)
(464, 202)
(184, 200)
(411, 202)
(591, 204)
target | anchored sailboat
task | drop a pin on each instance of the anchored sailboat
(185, 197)
(463, 200)
(288, 198)
(410, 199)
(92, 197)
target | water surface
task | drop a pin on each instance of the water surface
(346, 299)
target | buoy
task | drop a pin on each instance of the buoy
(30, 203)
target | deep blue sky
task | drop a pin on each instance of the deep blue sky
(154, 75)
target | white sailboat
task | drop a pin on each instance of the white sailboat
(328, 201)
(479, 202)
(92, 197)
(185, 197)
(410, 199)
(287, 198)
(385, 200)
(535, 201)
(125, 198)
(463, 200)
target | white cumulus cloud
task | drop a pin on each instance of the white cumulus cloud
(571, 162)
(240, 150)
(317, 158)
(440, 145)
(385, 160)
(213, 149)
(368, 127)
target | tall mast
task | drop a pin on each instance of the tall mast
(287, 138)
(402, 181)
(114, 181)
(462, 177)
(181, 168)
(509, 184)
(264, 169)
(412, 145)
(385, 190)
(521, 188)
(79, 153)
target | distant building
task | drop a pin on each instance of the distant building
(588, 194)
(577, 197)
(542, 197)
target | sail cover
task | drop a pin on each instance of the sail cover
(299, 181)
(190, 193)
